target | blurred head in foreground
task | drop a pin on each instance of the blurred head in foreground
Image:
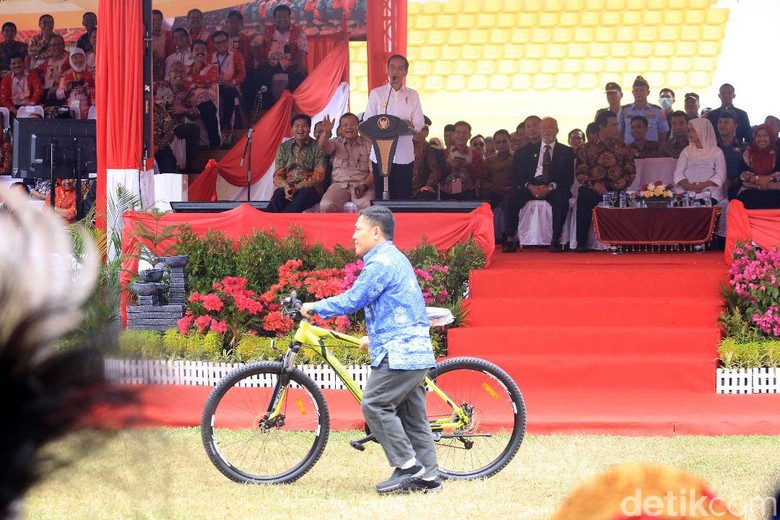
(644, 491)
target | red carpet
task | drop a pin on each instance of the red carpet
(598, 343)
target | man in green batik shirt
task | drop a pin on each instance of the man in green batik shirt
(300, 170)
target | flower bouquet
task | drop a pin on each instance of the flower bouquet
(656, 194)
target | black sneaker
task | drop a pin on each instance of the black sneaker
(399, 478)
(424, 486)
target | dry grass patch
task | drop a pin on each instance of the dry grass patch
(165, 474)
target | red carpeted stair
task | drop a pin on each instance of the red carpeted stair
(609, 343)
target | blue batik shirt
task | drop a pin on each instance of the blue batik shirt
(398, 326)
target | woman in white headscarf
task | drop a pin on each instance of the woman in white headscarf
(701, 166)
(77, 85)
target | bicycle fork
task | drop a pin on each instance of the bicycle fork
(273, 416)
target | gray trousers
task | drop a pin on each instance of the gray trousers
(394, 408)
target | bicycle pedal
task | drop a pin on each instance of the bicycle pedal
(357, 445)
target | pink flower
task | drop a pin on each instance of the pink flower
(194, 297)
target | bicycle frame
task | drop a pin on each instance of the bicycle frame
(313, 337)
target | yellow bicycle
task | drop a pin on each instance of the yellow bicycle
(268, 422)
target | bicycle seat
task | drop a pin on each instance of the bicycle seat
(439, 316)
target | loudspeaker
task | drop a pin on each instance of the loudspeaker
(429, 206)
(215, 207)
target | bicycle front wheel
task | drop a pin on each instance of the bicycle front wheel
(248, 448)
(497, 416)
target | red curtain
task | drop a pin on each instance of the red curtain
(443, 230)
(761, 226)
(385, 36)
(311, 97)
(119, 91)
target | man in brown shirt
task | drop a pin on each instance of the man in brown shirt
(426, 173)
(674, 146)
(498, 180)
(604, 165)
(351, 178)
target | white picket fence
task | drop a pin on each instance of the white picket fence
(748, 381)
(204, 373)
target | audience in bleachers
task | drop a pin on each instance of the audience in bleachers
(202, 73)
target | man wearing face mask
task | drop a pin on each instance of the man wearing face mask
(666, 100)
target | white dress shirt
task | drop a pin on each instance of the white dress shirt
(403, 103)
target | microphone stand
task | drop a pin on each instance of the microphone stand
(248, 145)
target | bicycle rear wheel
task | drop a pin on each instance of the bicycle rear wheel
(497, 412)
(248, 449)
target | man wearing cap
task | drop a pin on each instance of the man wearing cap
(727, 96)
(691, 105)
(673, 147)
(732, 150)
(657, 127)
(614, 96)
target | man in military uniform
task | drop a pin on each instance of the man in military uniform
(657, 127)
(679, 140)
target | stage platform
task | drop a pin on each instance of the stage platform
(598, 343)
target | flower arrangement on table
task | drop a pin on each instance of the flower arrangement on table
(656, 194)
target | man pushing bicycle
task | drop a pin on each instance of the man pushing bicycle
(401, 352)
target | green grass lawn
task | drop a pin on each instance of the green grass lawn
(165, 474)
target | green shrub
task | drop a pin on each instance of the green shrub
(140, 344)
(423, 255)
(258, 258)
(212, 346)
(255, 348)
(462, 258)
(772, 353)
(212, 257)
(174, 343)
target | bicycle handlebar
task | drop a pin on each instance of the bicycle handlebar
(292, 305)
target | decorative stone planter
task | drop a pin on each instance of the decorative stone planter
(205, 373)
(748, 381)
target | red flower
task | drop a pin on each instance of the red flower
(202, 322)
(184, 323)
(194, 297)
(212, 302)
(220, 327)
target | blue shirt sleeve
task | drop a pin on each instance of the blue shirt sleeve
(369, 285)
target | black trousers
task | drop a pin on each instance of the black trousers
(514, 201)
(227, 105)
(586, 201)
(302, 200)
(208, 113)
(399, 181)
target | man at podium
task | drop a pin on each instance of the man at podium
(396, 99)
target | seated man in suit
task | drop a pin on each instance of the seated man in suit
(543, 172)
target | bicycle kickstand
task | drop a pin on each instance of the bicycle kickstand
(360, 443)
